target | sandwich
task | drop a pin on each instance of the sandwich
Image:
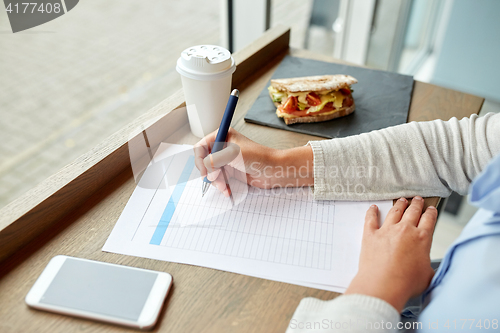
(312, 99)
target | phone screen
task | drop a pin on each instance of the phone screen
(109, 290)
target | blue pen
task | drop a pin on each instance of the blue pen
(222, 133)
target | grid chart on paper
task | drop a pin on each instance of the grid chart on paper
(268, 225)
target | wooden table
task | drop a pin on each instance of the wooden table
(74, 211)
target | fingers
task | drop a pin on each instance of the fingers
(221, 158)
(413, 213)
(212, 171)
(212, 176)
(215, 161)
(371, 219)
(202, 149)
(220, 184)
(200, 152)
(396, 212)
(428, 219)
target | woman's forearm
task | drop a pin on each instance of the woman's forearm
(295, 165)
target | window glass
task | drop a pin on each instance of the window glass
(68, 84)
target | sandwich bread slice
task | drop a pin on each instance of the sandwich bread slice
(312, 99)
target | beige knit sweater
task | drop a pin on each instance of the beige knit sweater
(419, 158)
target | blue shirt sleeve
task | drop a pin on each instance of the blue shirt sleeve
(465, 292)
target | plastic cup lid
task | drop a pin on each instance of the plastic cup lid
(205, 62)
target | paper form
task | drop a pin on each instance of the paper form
(279, 234)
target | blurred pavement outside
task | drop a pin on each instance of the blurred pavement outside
(67, 85)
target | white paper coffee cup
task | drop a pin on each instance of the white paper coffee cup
(206, 73)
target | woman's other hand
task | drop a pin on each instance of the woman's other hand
(394, 264)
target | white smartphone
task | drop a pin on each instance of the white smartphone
(106, 292)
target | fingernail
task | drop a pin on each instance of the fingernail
(431, 207)
(373, 206)
(418, 198)
(403, 199)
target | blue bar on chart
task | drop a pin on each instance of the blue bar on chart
(168, 213)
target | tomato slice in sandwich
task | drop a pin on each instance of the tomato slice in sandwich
(313, 99)
(345, 91)
(290, 105)
(348, 101)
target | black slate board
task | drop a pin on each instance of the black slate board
(382, 99)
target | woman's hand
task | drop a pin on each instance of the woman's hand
(255, 164)
(395, 264)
